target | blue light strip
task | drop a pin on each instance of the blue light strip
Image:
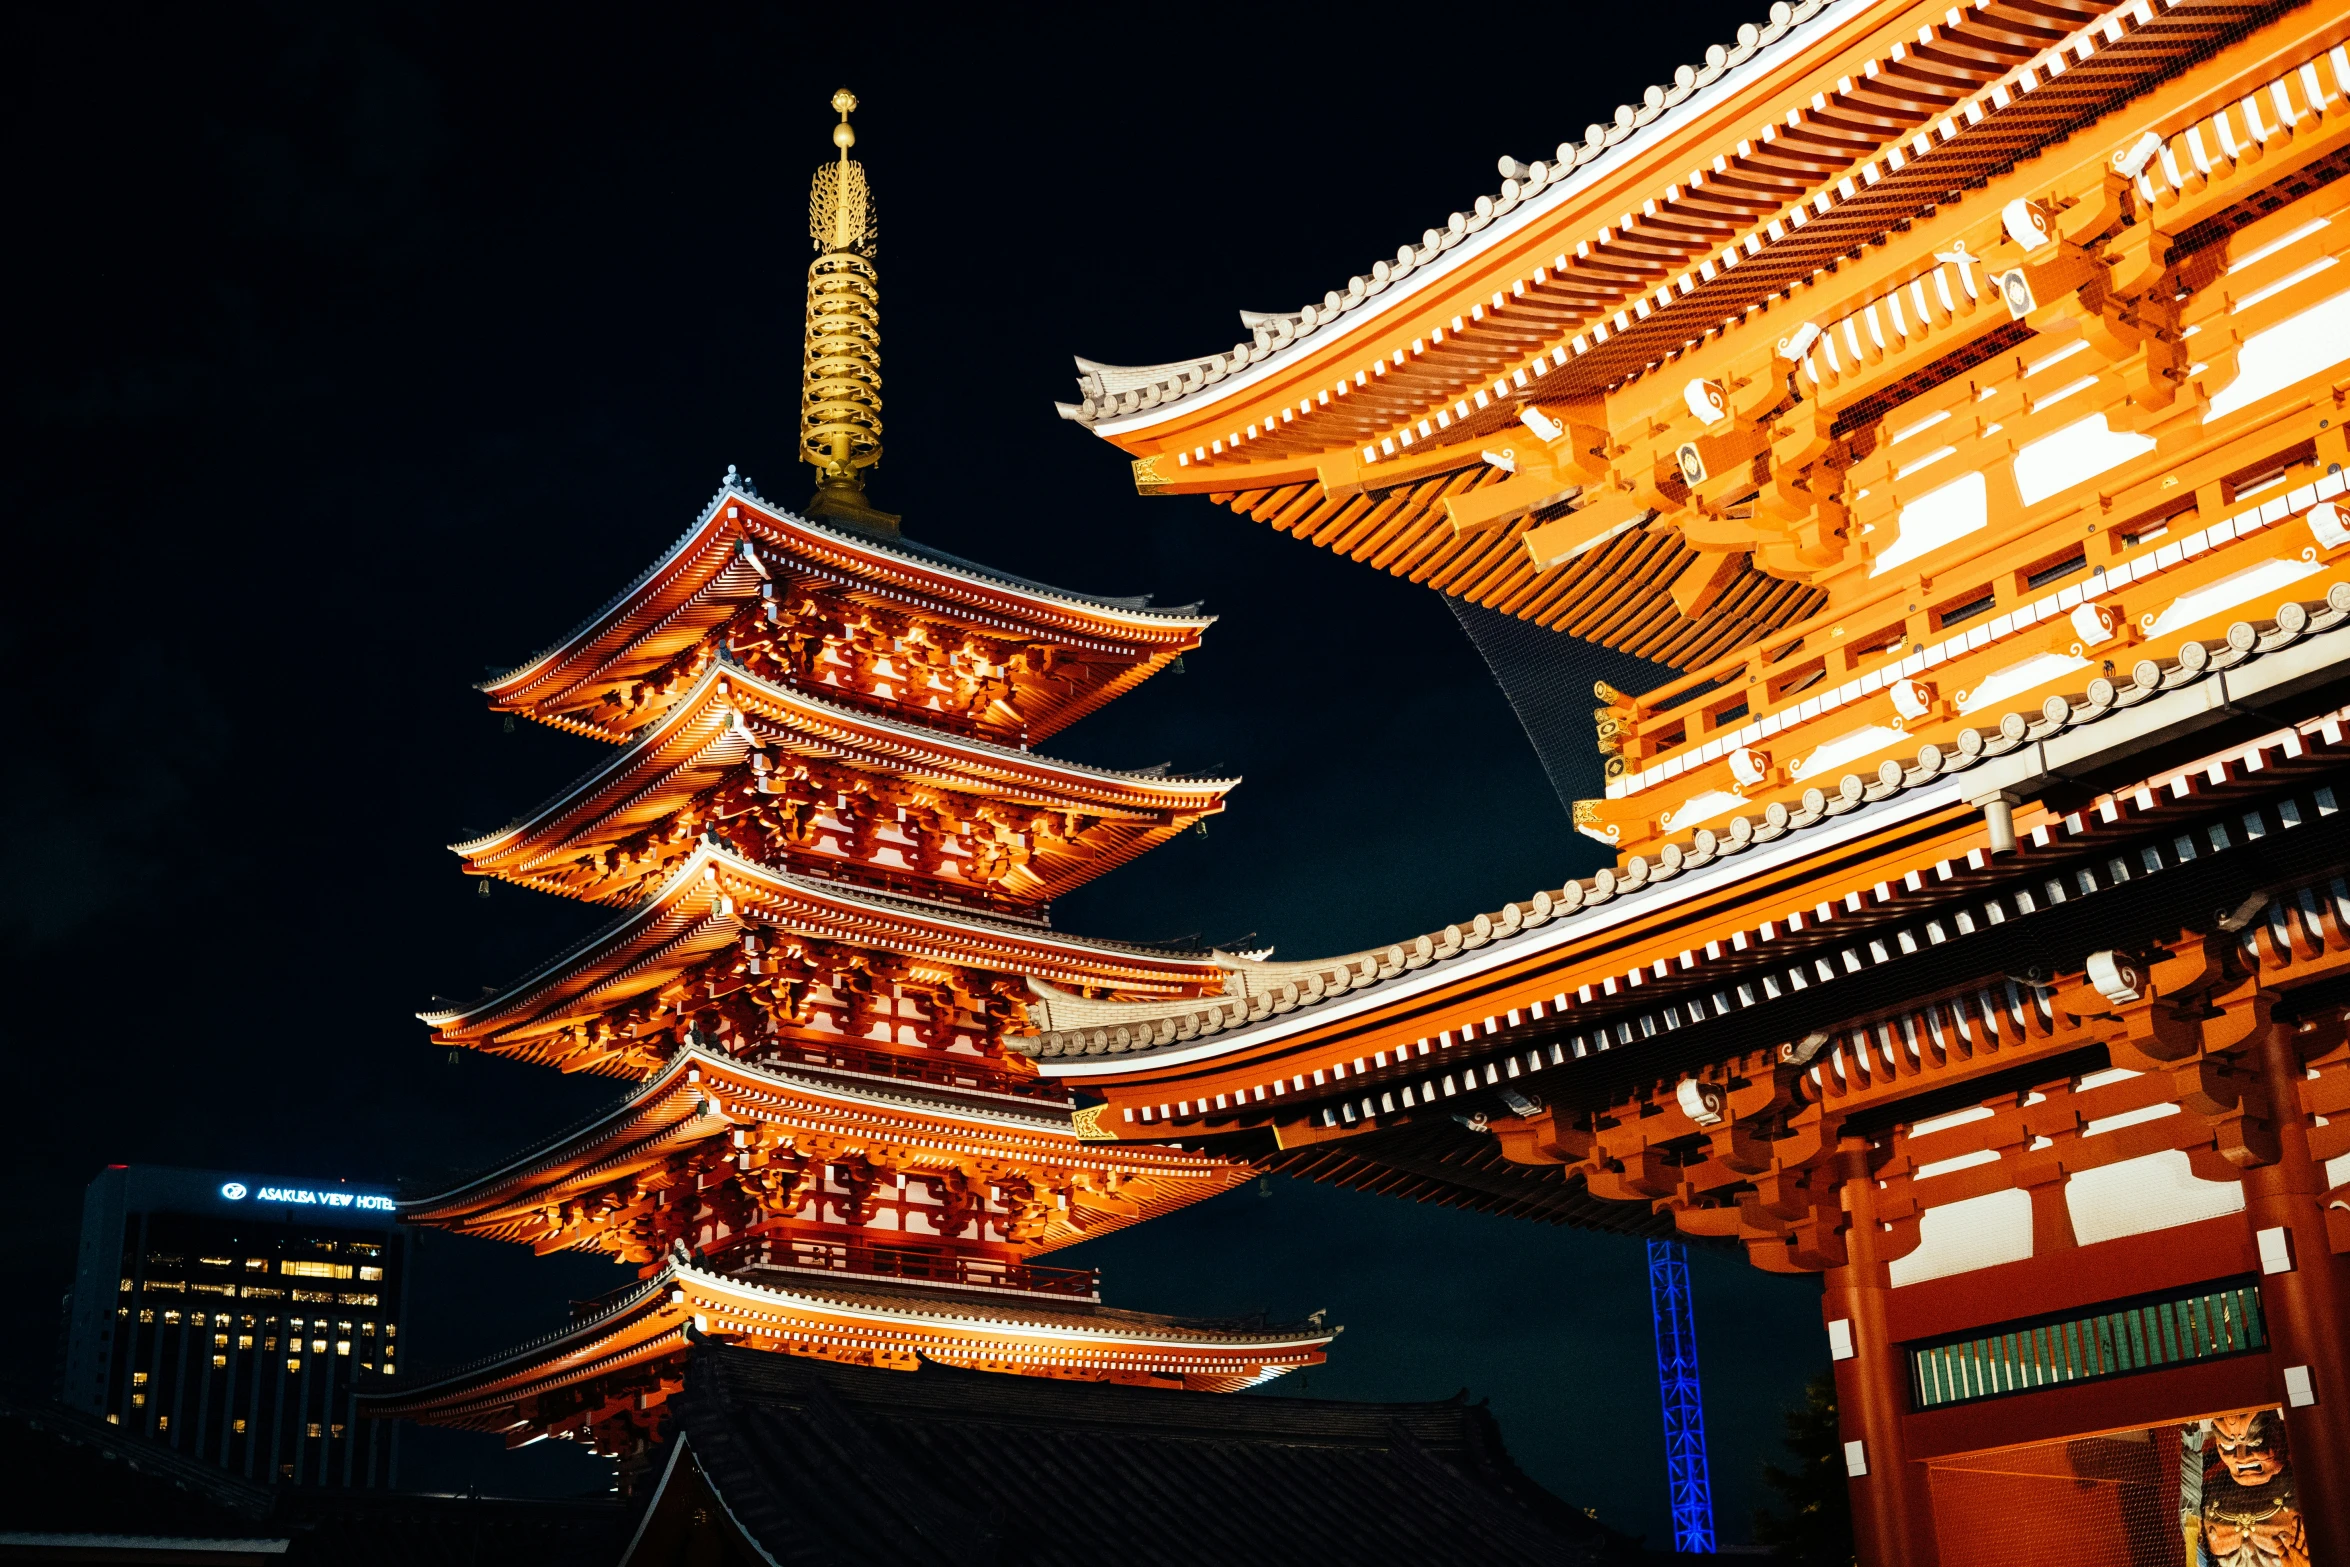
(1676, 1375)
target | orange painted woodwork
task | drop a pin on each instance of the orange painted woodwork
(882, 624)
(830, 853)
(1956, 397)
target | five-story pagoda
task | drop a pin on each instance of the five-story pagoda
(831, 853)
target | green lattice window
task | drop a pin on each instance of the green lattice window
(2141, 1336)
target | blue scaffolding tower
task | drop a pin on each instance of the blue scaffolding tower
(1676, 1373)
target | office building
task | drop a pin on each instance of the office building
(233, 1316)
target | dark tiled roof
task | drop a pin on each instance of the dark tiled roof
(411, 1529)
(71, 1472)
(823, 1463)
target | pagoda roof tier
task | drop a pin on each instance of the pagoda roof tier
(1439, 416)
(623, 825)
(636, 1341)
(744, 551)
(714, 898)
(686, 1119)
(1797, 931)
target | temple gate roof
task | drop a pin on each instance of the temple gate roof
(1382, 422)
(835, 1465)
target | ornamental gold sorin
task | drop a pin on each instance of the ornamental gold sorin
(840, 377)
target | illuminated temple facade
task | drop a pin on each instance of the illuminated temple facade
(829, 850)
(1955, 397)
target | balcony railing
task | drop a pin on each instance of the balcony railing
(918, 1264)
(938, 1067)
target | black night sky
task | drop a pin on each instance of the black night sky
(356, 351)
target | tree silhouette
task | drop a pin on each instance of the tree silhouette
(1813, 1524)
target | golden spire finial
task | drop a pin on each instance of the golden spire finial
(840, 376)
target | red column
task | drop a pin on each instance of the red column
(1892, 1512)
(2308, 1308)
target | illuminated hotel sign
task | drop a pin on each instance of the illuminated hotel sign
(370, 1202)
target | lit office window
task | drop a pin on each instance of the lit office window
(314, 1428)
(293, 1364)
(126, 1286)
(238, 1426)
(389, 1368)
(245, 1340)
(138, 1379)
(314, 1270)
(391, 1328)
(343, 1327)
(219, 1362)
(367, 1330)
(256, 1264)
(147, 1314)
(171, 1319)
(138, 1401)
(220, 1341)
(122, 1311)
(342, 1346)
(269, 1341)
(372, 1275)
(218, 1262)
(163, 1422)
(114, 1420)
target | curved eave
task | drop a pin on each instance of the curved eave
(873, 560)
(699, 1094)
(718, 564)
(645, 1324)
(710, 732)
(1853, 137)
(1442, 1162)
(1277, 1027)
(653, 1322)
(1616, 594)
(1650, 153)
(714, 896)
(1857, 897)
(646, 1131)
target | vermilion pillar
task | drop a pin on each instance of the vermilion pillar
(1892, 1514)
(2307, 1304)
